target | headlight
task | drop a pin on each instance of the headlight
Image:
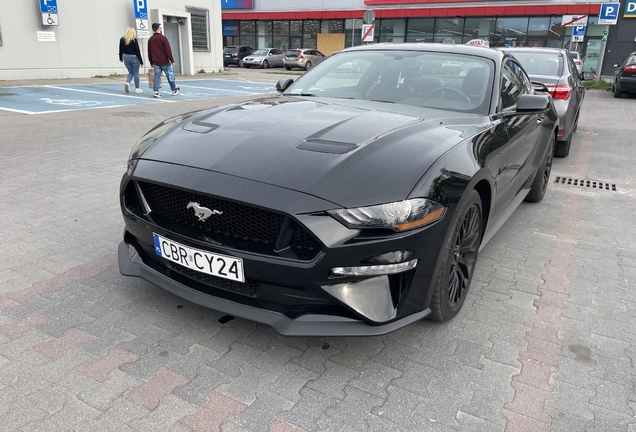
(400, 215)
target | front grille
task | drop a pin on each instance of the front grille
(238, 226)
(248, 288)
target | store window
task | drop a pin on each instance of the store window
(510, 32)
(264, 34)
(281, 35)
(478, 28)
(247, 35)
(538, 29)
(311, 28)
(420, 30)
(556, 34)
(449, 30)
(391, 30)
(200, 27)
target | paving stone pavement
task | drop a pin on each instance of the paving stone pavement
(546, 339)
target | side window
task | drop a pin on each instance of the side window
(310, 52)
(319, 54)
(512, 84)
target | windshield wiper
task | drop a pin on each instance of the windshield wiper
(304, 94)
(383, 101)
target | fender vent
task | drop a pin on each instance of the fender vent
(585, 183)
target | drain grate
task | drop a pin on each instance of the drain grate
(8, 94)
(585, 183)
(131, 114)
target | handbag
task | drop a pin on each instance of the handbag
(151, 78)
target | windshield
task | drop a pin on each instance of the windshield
(260, 52)
(540, 63)
(425, 79)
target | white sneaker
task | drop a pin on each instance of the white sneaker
(156, 94)
(176, 91)
(139, 91)
(127, 87)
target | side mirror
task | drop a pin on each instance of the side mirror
(588, 76)
(533, 103)
(283, 84)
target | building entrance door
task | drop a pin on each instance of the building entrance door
(590, 54)
(171, 31)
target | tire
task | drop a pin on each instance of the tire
(265, 64)
(246, 66)
(307, 65)
(240, 63)
(617, 92)
(288, 67)
(562, 148)
(459, 256)
(542, 176)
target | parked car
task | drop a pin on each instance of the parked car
(302, 58)
(625, 76)
(264, 58)
(365, 215)
(235, 55)
(555, 69)
(576, 57)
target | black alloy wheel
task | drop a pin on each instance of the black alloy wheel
(265, 64)
(458, 261)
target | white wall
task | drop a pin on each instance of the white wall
(87, 38)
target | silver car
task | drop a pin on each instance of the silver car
(303, 58)
(264, 58)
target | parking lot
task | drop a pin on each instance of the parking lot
(545, 341)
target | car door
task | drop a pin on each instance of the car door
(578, 91)
(523, 129)
(276, 57)
(319, 56)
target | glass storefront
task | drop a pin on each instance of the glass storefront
(538, 31)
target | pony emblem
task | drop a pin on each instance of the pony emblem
(203, 213)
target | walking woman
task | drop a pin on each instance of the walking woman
(130, 54)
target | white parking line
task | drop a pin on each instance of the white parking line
(214, 88)
(101, 93)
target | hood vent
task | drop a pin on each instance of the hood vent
(326, 146)
(201, 127)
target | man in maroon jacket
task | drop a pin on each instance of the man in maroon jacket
(160, 57)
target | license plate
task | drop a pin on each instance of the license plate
(204, 262)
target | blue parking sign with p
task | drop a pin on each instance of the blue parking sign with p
(141, 9)
(48, 6)
(609, 13)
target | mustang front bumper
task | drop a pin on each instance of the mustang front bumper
(304, 325)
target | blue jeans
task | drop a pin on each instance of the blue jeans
(132, 64)
(169, 71)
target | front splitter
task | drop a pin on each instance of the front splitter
(306, 325)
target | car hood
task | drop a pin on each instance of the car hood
(348, 152)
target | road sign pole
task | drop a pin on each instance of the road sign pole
(353, 32)
(601, 58)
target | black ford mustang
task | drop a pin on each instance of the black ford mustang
(351, 204)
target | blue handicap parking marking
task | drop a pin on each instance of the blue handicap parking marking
(55, 98)
(43, 99)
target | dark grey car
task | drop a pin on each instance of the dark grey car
(625, 76)
(555, 69)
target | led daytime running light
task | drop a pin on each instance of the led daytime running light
(375, 270)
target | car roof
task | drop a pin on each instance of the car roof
(529, 49)
(431, 47)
